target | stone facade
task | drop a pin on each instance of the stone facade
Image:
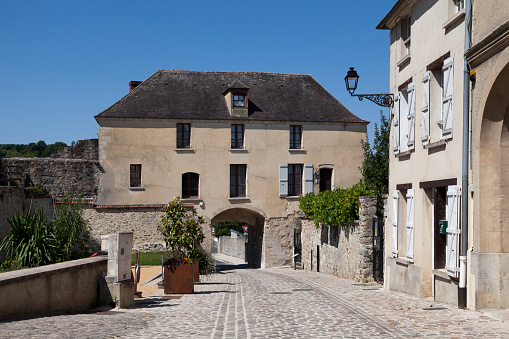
(140, 221)
(344, 251)
(84, 149)
(11, 200)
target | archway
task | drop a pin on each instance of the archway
(255, 220)
(493, 171)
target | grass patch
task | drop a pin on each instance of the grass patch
(149, 258)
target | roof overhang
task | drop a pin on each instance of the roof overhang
(401, 9)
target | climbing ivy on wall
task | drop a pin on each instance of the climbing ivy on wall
(336, 207)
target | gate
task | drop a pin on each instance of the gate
(378, 249)
(297, 248)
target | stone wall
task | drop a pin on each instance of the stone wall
(278, 240)
(58, 176)
(140, 221)
(234, 247)
(84, 149)
(345, 251)
(11, 200)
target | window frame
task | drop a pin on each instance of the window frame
(187, 189)
(135, 175)
(236, 142)
(295, 175)
(294, 143)
(238, 185)
(183, 136)
(238, 103)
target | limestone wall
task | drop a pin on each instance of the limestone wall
(84, 149)
(11, 199)
(235, 247)
(58, 176)
(344, 251)
(140, 221)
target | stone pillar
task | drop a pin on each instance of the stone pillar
(367, 211)
(118, 278)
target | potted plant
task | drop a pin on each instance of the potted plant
(182, 231)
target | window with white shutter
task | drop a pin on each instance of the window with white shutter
(308, 178)
(283, 180)
(410, 225)
(411, 115)
(447, 91)
(453, 230)
(395, 119)
(395, 196)
(425, 108)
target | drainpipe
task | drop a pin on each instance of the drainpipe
(462, 292)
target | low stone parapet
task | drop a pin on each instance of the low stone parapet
(66, 287)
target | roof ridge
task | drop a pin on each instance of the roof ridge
(230, 72)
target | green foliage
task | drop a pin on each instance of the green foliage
(375, 166)
(71, 230)
(223, 228)
(39, 149)
(205, 260)
(37, 189)
(33, 241)
(10, 265)
(335, 207)
(181, 230)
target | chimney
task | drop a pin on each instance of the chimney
(133, 84)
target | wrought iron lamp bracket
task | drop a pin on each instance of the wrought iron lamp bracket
(384, 100)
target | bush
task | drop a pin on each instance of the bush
(335, 207)
(33, 241)
(223, 228)
(181, 230)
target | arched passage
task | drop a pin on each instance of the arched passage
(493, 172)
(255, 219)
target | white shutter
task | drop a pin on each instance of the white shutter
(395, 196)
(425, 108)
(410, 225)
(447, 90)
(283, 180)
(411, 115)
(308, 178)
(453, 230)
(395, 118)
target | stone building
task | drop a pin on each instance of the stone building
(488, 58)
(426, 78)
(238, 146)
(456, 71)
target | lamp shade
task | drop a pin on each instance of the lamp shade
(351, 80)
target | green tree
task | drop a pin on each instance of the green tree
(375, 165)
(181, 229)
(223, 228)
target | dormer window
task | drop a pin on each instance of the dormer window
(236, 99)
(239, 100)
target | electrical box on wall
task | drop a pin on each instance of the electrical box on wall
(442, 227)
(120, 247)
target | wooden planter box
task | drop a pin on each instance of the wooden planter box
(196, 271)
(180, 280)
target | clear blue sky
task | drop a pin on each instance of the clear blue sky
(62, 62)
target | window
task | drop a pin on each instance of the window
(404, 119)
(135, 177)
(437, 101)
(237, 181)
(190, 185)
(237, 136)
(325, 179)
(239, 100)
(295, 136)
(183, 135)
(294, 179)
(405, 35)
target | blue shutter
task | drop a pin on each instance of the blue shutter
(308, 178)
(283, 180)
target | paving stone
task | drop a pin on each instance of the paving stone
(270, 303)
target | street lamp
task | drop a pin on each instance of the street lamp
(351, 80)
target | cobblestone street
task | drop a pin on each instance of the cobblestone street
(271, 303)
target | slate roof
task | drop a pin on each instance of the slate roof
(171, 94)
